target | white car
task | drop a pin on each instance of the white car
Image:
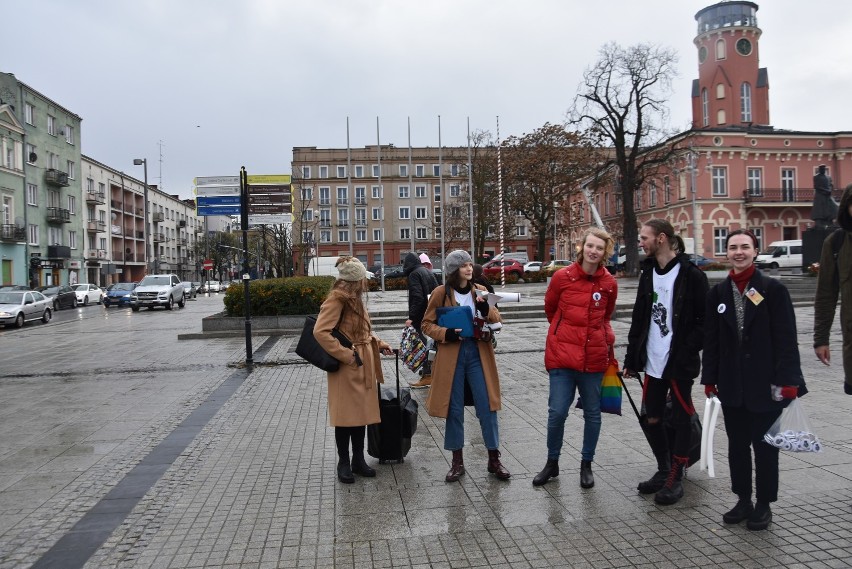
(87, 293)
(532, 267)
(19, 306)
(214, 286)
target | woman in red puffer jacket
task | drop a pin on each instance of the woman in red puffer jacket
(579, 303)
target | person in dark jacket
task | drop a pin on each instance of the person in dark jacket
(665, 340)
(421, 283)
(579, 303)
(480, 278)
(835, 278)
(751, 361)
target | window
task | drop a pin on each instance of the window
(606, 203)
(72, 205)
(361, 235)
(419, 191)
(637, 199)
(375, 170)
(720, 234)
(720, 182)
(343, 236)
(308, 215)
(72, 239)
(454, 169)
(7, 210)
(342, 195)
(521, 230)
(306, 172)
(403, 191)
(758, 232)
(307, 237)
(617, 204)
(437, 216)
(405, 233)
(29, 113)
(101, 188)
(705, 107)
(33, 234)
(53, 199)
(667, 189)
(745, 102)
(51, 125)
(361, 216)
(419, 170)
(420, 213)
(72, 171)
(377, 235)
(403, 170)
(377, 214)
(323, 171)
(437, 191)
(32, 194)
(342, 216)
(341, 171)
(421, 233)
(69, 134)
(788, 184)
(720, 91)
(404, 213)
(437, 233)
(377, 192)
(755, 181)
(720, 117)
(436, 170)
(31, 152)
(359, 171)
(720, 49)
(455, 191)
(652, 194)
(54, 236)
(90, 186)
(325, 236)
(307, 194)
(360, 195)
(102, 243)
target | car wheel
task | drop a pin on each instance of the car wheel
(86, 300)
(171, 304)
(56, 305)
(46, 316)
(182, 301)
(773, 266)
(134, 308)
(100, 300)
(516, 274)
(19, 321)
(74, 302)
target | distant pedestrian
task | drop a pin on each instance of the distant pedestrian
(480, 278)
(353, 401)
(750, 347)
(421, 283)
(579, 304)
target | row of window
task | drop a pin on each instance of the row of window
(745, 104)
(53, 128)
(54, 236)
(403, 192)
(419, 171)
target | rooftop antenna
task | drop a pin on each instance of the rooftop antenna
(161, 144)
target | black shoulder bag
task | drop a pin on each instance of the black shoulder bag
(310, 350)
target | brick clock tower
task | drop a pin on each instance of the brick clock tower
(731, 89)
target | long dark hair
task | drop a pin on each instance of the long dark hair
(662, 226)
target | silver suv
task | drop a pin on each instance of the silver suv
(157, 290)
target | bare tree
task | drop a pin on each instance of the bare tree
(541, 170)
(622, 102)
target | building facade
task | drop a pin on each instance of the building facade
(175, 230)
(13, 229)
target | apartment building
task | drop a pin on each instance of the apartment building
(175, 230)
(13, 229)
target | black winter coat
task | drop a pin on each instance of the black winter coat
(768, 354)
(421, 283)
(687, 321)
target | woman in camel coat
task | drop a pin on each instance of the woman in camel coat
(353, 401)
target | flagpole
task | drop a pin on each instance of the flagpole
(500, 203)
(349, 189)
(441, 203)
(470, 189)
(381, 205)
(410, 192)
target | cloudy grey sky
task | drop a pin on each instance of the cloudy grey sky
(230, 83)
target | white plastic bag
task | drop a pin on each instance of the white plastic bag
(792, 431)
(711, 415)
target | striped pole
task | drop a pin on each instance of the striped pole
(500, 203)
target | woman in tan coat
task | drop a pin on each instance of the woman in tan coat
(463, 361)
(353, 402)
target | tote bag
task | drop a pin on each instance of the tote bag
(412, 349)
(610, 390)
(309, 349)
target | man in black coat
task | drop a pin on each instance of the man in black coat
(421, 283)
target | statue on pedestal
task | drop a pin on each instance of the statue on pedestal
(824, 210)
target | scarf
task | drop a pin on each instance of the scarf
(741, 279)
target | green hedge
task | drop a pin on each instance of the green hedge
(276, 297)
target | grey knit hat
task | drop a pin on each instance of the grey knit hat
(351, 269)
(455, 260)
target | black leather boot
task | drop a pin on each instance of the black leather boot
(495, 467)
(587, 479)
(740, 512)
(457, 468)
(760, 518)
(344, 472)
(360, 466)
(672, 490)
(550, 470)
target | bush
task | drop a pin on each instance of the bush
(716, 267)
(813, 270)
(276, 297)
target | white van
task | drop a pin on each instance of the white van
(781, 254)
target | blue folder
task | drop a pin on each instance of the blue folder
(457, 317)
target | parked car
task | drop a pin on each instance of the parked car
(118, 294)
(158, 290)
(781, 254)
(554, 266)
(394, 272)
(700, 261)
(14, 287)
(189, 290)
(87, 293)
(19, 306)
(510, 266)
(214, 286)
(60, 296)
(532, 267)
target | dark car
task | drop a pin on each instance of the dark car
(394, 272)
(700, 261)
(118, 294)
(62, 296)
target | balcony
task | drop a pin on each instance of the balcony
(115, 204)
(181, 241)
(58, 215)
(783, 196)
(95, 254)
(343, 223)
(95, 226)
(360, 223)
(55, 177)
(11, 232)
(158, 217)
(58, 252)
(325, 223)
(342, 201)
(159, 237)
(325, 201)
(360, 201)
(95, 198)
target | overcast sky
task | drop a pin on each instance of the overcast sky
(225, 84)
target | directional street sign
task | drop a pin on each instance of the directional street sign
(254, 189)
(267, 199)
(270, 219)
(217, 191)
(217, 181)
(203, 201)
(269, 208)
(269, 179)
(219, 210)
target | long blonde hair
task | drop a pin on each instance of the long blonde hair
(601, 234)
(352, 294)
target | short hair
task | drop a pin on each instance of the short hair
(609, 243)
(748, 232)
(658, 226)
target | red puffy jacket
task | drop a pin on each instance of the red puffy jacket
(579, 307)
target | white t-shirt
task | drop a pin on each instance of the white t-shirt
(464, 299)
(660, 333)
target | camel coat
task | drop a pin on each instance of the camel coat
(444, 366)
(353, 399)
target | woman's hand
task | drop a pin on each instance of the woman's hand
(385, 349)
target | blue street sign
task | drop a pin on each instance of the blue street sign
(204, 201)
(219, 210)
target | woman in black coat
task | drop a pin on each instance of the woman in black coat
(751, 361)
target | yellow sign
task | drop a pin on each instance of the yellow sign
(269, 179)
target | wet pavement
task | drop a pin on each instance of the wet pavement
(123, 447)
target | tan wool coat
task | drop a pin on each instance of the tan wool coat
(353, 399)
(444, 366)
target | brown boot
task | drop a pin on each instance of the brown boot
(457, 468)
(495, 467)
(426, 381)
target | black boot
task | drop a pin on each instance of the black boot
(550, 470)
(760, 518)
(672, 490)
(587, 479)
(740, 512)
(660, 447)
(344, 472)
(359, 465)
(344, 469)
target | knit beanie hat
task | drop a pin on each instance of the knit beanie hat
(455, 260)
(424, 258)
(351, 269)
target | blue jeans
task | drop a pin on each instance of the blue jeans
(564, 383)
(469, 369)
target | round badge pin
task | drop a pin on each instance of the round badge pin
(596, 296)
(721, 309)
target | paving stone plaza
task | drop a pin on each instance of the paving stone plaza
(124, 447)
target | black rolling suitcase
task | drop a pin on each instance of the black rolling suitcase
(390, 440)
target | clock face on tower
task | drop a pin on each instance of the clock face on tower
(743, 46)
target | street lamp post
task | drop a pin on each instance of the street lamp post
(144, 163)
